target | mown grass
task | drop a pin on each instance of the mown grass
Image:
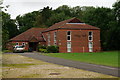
(101, 58)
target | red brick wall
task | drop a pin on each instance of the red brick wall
(79, 40)
(45, 34)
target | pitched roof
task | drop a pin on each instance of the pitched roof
(29, 34)
(72, 23)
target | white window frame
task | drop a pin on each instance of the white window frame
(48, 39)
(17, 43)
(90, 36)
(69, 49)
(90, 47)
(55, 43)
(23, 43)
(55, 37)
(69, 35)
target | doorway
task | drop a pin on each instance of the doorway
(33, 46)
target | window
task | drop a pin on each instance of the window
(55, 43)
(90, 45)
(55, 35)
(68, 46)
(17, 43)
(90, 36)
(48, 39)
(68, 35)
(23, 43)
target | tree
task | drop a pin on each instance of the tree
(113, 37)
(9, 25)
(27, 21)
(100, 17)
(57, 17)
(116, 8)
(114, 33)
(5, 33)
(46, 13)
(77, 12)
(5, 38)
(64, 9)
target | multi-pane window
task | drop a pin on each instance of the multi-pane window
(68, 46)
(90, 36)
(90, 46)
(48, 39)
(23, 43)
(68, 35)
(17, 43)
(55, 35)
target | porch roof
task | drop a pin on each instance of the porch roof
(30, 34)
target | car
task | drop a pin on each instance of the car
(18, 49)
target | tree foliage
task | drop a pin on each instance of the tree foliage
(9, 28)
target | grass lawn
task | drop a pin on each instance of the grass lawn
(102, 58)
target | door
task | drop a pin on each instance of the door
(33, 46)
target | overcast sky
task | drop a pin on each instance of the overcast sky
(24, 6)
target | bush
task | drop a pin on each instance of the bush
(43, 50)
(41, 47)
(7, 51)
(26, 50)
(52, 49)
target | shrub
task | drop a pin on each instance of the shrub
(41, 47)
(7, 51)
(43, 50)
(26, 50)
(53, 49)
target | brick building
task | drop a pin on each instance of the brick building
(71, 35)
(30, 39)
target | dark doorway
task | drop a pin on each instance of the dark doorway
(33, 46)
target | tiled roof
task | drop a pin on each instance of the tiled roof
(78, 26)
(72, 23)
(30, 33)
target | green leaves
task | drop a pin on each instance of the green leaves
(9, 29)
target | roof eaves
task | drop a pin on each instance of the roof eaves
(81, 28)
(18, 40)
(51, 30)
